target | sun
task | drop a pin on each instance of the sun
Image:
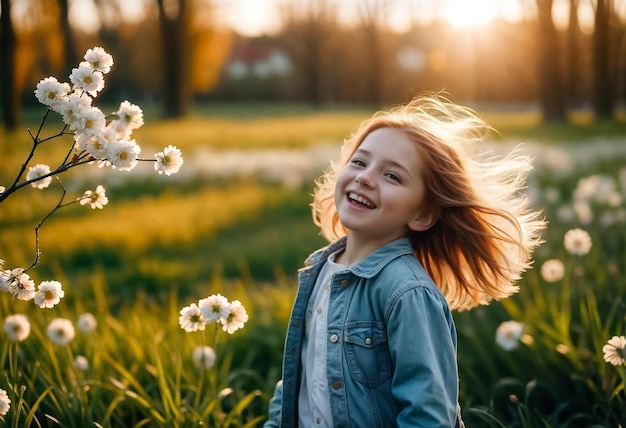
(466, 13)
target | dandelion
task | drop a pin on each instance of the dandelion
(17, 327)
(50, 294)
(123, 155)
(508, 335)
(81, 363)
(168, 161)
(97, 199)
(99, 59)
(615, 351)
(50, 92)
(35, 173)
(236, 318)
(204, 357)
(190, 318)
(61, 331)
(214, 308)
(552, 270)
(87, 323)
(5, 402)
(577, 241)
(19, 284)
(86, 79)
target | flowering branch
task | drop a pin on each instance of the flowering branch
(97, 138)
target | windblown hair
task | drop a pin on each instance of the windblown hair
(485, 232)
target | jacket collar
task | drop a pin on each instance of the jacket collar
(370, 265)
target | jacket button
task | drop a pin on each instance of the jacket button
(334, 338)
(344, 282)
(368, 341)
(336, 385)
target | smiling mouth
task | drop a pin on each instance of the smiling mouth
(360, 200)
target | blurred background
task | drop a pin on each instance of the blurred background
(259, 95)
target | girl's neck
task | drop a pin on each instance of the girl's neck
(357, 249)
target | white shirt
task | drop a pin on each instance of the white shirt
(314, 399)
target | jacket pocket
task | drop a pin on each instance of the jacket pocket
(367, 352)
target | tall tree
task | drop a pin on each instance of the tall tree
(550, 76)
(8, 41)
(603, 103)
(573, 80)
(173, 19)
(69, 45)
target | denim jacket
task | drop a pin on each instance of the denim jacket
(391, 353)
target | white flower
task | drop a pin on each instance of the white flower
(577, 241)
(97, 199)
(204, 357)
(190, 318)
(508, 335)
(50, 293)
(615, 351)
(168, 161)
(50, 92)
(99, 59)
(39, 170)
(123, 155)
(19, 284)
(129, 117)
(87, 79)
(81, 363)
(61, 331)
(236, 318)
(17, 327)
(93, 121)
(87, 323)
(73, 111)
(5, 402)
(214, 308)
(552, 270)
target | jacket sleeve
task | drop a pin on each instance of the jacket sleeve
(422, 344)
(275, 406)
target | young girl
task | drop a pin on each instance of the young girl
(419, 225)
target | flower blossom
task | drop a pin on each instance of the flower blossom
(87, 323)
(50, 92)
(5, 402)
(552, 270)
(17, 327)
(73, 111)
(204, 357)
(236, 318)
(577, 241)
(214, 308)
(508, 334)
(61, 331)
(123, 155)
(81, 363)
(99, 59)
(97, 199)
(19, 284)
(87, 79)
(615, 351)
(168, 161)
(93, 122)
(190, 318)
(129, 117)
(37, 171)
(50, 294)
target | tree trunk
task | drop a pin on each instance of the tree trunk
(550, 77)
(71, 59)
(602, 81)
(175, 59)
(573, 91)
(10, 98)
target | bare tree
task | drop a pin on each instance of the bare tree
(10, 97)
(550, 76)
(603, 103)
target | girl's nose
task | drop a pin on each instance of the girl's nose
(363, 179)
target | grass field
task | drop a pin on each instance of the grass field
(165, 242)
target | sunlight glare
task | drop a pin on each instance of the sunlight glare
(465, 14)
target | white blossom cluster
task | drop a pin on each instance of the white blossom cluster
(231, 315)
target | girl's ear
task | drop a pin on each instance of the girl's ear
(422, 222)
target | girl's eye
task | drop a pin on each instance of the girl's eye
(358, 162)
(393, 176)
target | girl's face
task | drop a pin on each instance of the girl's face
(379, 193)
